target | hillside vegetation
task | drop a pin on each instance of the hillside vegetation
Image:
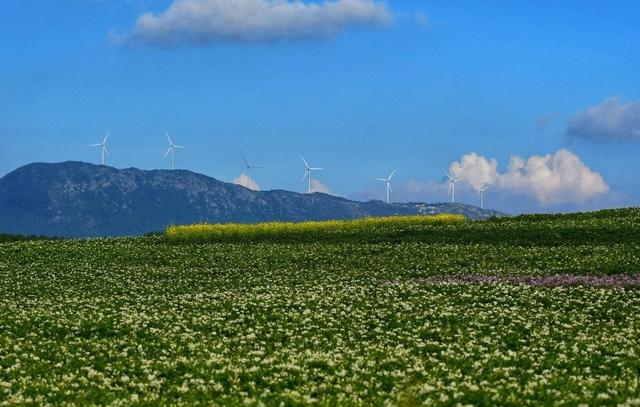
(75, 199)
(394, 312)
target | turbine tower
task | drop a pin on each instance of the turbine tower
(482, 191)
(307, 173)
(172, 148)
(248, 167)
(388, 182)
(452, 186)
(103, 147)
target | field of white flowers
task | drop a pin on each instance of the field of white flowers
(147, 321)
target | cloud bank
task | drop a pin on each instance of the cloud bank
(551, 179)
(317, 186)
(476, 170)
(247, 182)
(612, 120)
(209, 22)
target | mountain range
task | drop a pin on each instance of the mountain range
(76, 199)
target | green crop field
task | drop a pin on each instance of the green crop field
(399, 313)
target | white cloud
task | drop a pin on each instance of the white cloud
(476, 170)
(611, 120)
(317, 186)
(554, 178)
(247, 182)
(551, 179)
(206, 22)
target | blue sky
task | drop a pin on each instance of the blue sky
(434, 82)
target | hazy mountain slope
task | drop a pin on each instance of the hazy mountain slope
(80, 199)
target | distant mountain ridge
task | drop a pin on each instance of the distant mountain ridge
(75, 199)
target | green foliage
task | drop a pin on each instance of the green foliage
(336, 322)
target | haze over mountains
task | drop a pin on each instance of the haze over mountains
(75, 199)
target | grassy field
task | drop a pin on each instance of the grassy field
(355, 317)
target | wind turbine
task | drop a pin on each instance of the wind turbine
(388, 182)
(103, 147)
(452, 186)
(482, 191)
(172, 148)
(307, 173)
(248, 167)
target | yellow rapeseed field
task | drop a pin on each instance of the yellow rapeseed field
(206, 231)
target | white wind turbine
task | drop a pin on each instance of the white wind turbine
(248, 167)
(307, 173)
(388, 182)
(482, 191)
(103, 147)
(172, 148)
(452, 186)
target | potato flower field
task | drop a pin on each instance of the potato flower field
(530, 310)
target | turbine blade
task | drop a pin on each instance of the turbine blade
(305, 162)
(95, 145)
(380, 179)
(105, 139)
(389, 186)
(305, 175)
(106, 150)
(448, 175)
(390, 176)
(168, 151)
(450, 186)
(246, 163)
(178, 146)
(168, 138)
